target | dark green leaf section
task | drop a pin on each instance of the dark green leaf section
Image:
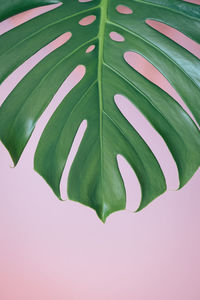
(94, 178)
(10, 7)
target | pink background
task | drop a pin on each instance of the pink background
(60, 250)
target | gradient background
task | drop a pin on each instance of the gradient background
(61, 250)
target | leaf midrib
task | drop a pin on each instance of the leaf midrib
(103, 19)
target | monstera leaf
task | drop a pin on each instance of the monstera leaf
(94, 178)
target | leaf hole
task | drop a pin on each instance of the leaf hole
(146, 69)
(115, 36)
(90, 49)
(87, 20)
(176, 36)
(131, 183)
(82, 1)
(16, 76)
(151, 137)
(25, 16)
(70, 82)
(122, 9)
(73, 151)
(193, 1)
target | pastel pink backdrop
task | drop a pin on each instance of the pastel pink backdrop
(60, 250)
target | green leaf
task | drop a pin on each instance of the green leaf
(94, 178)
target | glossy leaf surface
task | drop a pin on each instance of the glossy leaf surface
(94, 178)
